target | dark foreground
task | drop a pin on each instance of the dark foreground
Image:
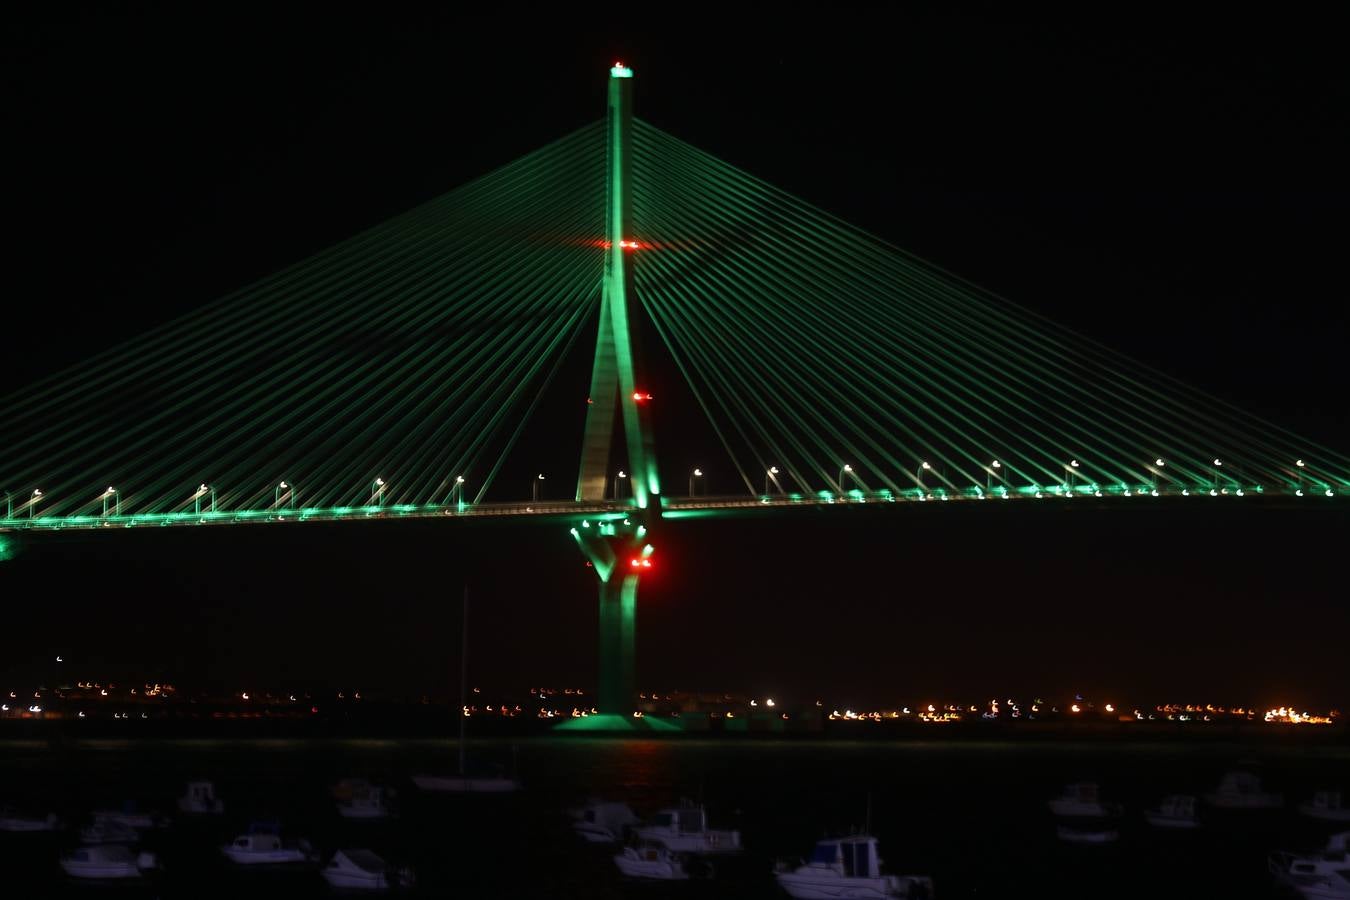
(971, 814)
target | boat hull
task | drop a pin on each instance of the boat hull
(1326, 814)
(465, 784)
(283, 857)
(817, 887)
(1159, 820)
(104, 871)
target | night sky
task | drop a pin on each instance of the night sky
(1175, 189)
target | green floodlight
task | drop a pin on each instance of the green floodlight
(620, 71)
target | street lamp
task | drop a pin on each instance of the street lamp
(1072, 469)
(919, 476)
(9, 505)
(846, 470)
(622, 474)
(989, 473)
(283, 490)
(770, 473)
(458, 486)
(203, 491)
(377, 492)
(538, 483)
(1158, 464)
(1301, 465)
(1218, 464)
(111, 493)
(32, 504)
(697, 473)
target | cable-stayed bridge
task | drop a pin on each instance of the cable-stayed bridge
(394, 374)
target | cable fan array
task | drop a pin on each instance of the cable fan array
(830, 362)
(377, 372)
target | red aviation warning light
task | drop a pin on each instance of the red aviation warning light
(640, 563)
(629, 245)
(642, 396)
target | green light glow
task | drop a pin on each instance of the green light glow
(619, 70)
(8, 547)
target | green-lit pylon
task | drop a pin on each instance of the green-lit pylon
(618, 552)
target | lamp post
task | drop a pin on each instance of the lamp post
(989, 476)
(203, 491)
(697, 473)
(111, 494)
(1157, 464)
(9, 505)
(32, 504)
(458, 488)
(1072, 469)
(538, 483)
(377, 492)
(1218, 464)
(769, 474)
(846, 470)
(919, 477)
(1300, 465)
(617, 478)
(286, 490)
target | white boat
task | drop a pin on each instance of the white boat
(603, 821)
(13, 820)
(107, 861)
(200, 800)
(358, 799)
(130, 816)
(362, 870)
(850, 868)
(108, 831)
(267, 849)
(1242, 790)
(462, 783)
(650, 859)
(1175, 811)
(1317, 876)
(685, 829)
(1077, 834)
(1082, 800)
(1326, 805)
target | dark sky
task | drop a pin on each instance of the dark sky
(1176, 189)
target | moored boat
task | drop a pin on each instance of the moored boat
(1242, 790)
(13, 820)
(603, 821)
(362, 870)
(1174, 811)
(200, 800)
(107, 862)
(1327, 806)
(1082, 800)
(653, 860)
(849, 867)
(684, 829)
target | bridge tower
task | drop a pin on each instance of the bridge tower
(618, 547)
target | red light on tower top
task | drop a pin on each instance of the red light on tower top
(641, 396)
(629, 245)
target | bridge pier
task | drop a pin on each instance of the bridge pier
(616, 686)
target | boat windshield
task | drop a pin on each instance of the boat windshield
(825, 854)
(858, 859)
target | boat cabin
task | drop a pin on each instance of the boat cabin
(852, 857)
(257, 843)
(683, 820)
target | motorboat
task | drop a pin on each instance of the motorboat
(1175, 811)
(849, 867)
(1317, 876)
(1080, 834)
(362, 870)
(603, 821)
(266, 848)
(109, 831)
(1082, 800)
(1326, 805)
(13, 820)
(131, 816)
(107, 861)
(684, 829)
(358, 799)
(1242, 790)
(654, 860)
(200, 800)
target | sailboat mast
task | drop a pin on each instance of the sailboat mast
(463, 674)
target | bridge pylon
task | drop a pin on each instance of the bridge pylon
(618, 547)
